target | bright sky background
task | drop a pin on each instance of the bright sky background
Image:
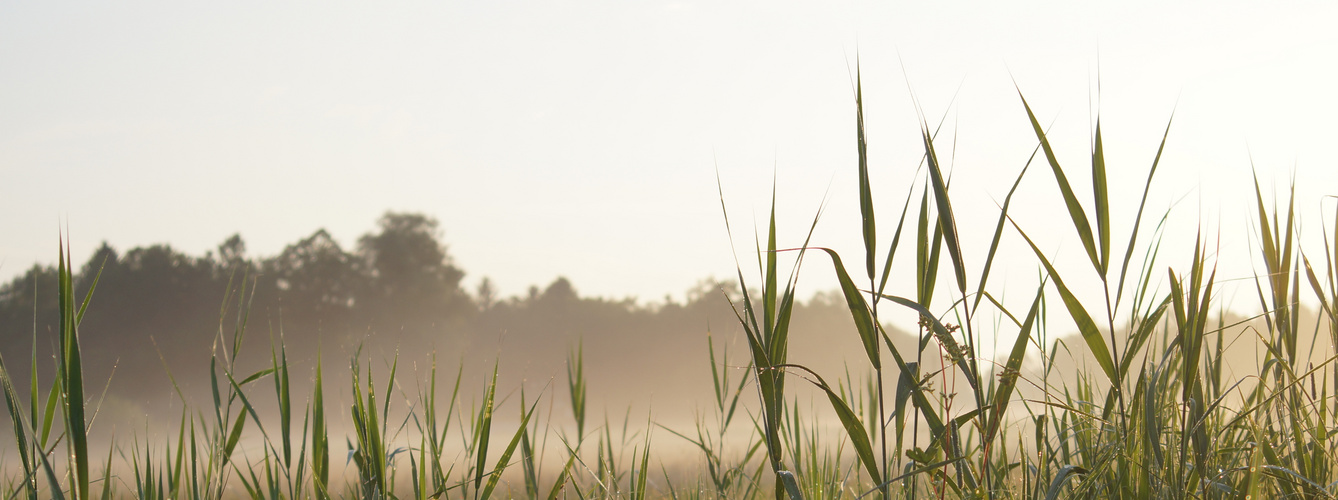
(583, 139)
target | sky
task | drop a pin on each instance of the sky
(593, 140)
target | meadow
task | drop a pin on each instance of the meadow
(1153, 414)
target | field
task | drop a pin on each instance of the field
(1150, 404)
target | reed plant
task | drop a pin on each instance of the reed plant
(1157, 419)
(1160, 414)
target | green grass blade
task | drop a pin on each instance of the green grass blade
(1315, 286)
(1012, 368)
(946, 220)
(485, 429)
(107, 476)
(998, 231)
(903, 393)
(1076, 213)
(1145, 328)
(1101, 194)
(640, 489)
(88, 296)
(892, 249)
(576, 386)
(780, 334)
(859, 310)
(33, 394)
(21, 436)
(1133, 234)
(279, 363)
(1086, 326)
(53, 399)
(865, 191)
(71, 371)
(563, 477)
(55, 487)
(502, 461)
(233, 437)
(715, 372)
(909, 372)
(914, 472)
(1252, 482)
(1152, 424)
(859, 438)
(769, 289)
(944, 336)
(320, 438)
(247, 408)
(390, 386)
(926, 252)
(1065, 474)
(791, 485)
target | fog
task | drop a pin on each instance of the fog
(158, 319)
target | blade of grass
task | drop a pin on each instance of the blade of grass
(865, 191)
(505, 458)
(859, 438)
(1086, 326)
(946, 221)
(1138, 219)
(1101, 194)
(1076, 213)
(859, 310)
(998, 231)
(1012, 368)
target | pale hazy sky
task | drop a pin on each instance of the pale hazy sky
(583, 138)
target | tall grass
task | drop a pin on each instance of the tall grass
(1157, 419)
(1158, 416)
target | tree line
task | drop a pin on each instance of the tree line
(157, 310)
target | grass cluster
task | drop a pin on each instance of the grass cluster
(290, 451)
(1158, 417)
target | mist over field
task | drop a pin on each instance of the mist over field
(640, 250)
(158, 314)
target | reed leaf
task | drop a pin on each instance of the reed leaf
(859, 438)
(505, 458)
(1100, 192)
(868, 227)
(859, 310)
(946, 222)
(1086, 326)
(1012, 368)
(1075, 210)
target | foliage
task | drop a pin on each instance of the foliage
(1155, 415)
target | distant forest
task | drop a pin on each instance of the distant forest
(157, 311)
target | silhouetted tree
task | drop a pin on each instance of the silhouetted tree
(27, 298)
(559, 292)
(486, 295)
(410, 270)
(232, 253)
(399, 281)
(315, 278)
